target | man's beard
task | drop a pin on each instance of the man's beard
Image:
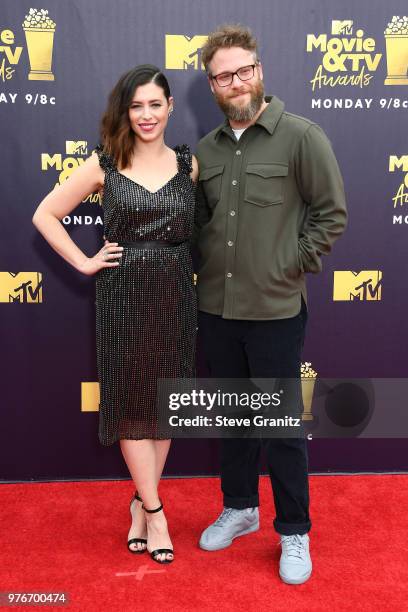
(243, 114)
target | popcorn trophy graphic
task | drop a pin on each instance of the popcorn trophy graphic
(308, 378)
(396, 38)
(39, 32)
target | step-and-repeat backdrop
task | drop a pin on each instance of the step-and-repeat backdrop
(343, 65)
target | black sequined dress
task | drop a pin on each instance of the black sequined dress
(146, 306)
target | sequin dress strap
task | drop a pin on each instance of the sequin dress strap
(184, 158)
(105, 160)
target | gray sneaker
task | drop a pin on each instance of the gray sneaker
(295, 564)
(230, 524)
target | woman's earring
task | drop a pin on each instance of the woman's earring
(170, 112)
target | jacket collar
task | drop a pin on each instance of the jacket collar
(268, 119)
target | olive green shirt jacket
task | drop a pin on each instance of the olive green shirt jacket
(268, 206)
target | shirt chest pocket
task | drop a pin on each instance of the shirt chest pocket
(211, 181)
(265, 183)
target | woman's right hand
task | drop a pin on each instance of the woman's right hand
(104, 258)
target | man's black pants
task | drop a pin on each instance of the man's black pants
(261, 349)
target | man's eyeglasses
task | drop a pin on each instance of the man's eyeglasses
(225, 78)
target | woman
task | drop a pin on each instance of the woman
(145, 298)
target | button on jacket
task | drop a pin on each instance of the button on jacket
(268, 206)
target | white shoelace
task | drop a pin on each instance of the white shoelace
(225, 516)
(294, 546)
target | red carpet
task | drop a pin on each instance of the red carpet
(72, 537)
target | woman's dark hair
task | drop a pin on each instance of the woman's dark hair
(117, 136)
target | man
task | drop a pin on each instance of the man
(270, 203)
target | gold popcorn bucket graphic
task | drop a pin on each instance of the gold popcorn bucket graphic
(308, 379)
(39, 31)
(40, 45)
(307, 395)
(397, 59)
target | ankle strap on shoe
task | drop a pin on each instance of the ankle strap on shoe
(155, 510)
(137, 496)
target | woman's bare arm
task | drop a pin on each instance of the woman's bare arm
(194, 173)
(62, 200)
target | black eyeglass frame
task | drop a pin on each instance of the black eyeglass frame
(232, 74)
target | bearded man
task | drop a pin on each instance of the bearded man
(270, 203)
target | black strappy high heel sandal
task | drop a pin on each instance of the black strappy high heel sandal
(159, 551)
(136, 540)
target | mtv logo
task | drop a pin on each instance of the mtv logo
(344, 27)
(76, 147)
(23, 287)
(363, 286)
(184, 52)
(90, 394)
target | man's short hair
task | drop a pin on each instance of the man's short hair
(226, 36)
